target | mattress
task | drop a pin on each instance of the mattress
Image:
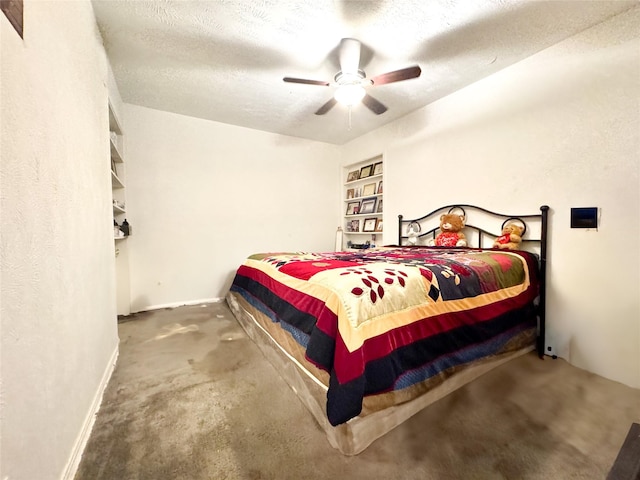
(379, 334)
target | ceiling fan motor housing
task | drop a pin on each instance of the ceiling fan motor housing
(342, 78)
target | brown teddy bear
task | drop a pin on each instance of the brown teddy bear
(510, 238)
(450, 235)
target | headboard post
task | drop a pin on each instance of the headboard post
(399, 230)
(544, 209)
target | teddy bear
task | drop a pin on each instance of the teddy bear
(510, 238)
(450, 235)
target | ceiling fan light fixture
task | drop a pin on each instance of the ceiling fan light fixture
(351, 81)
(349, 95)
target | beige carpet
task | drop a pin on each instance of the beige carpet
(193, 398)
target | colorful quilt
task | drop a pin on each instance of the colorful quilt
(387, 320)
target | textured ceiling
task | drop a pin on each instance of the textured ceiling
(224, 60)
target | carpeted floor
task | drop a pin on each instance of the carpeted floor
(193, 398)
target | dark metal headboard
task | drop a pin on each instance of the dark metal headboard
(480, 233)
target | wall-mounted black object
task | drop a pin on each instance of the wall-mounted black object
(584, 217)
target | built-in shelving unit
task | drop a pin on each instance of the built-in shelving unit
(117, 171)
(118, 182)
(362, 194)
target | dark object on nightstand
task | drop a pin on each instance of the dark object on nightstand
(627, 464)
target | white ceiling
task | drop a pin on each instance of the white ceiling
(224, 60)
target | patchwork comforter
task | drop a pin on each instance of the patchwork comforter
(387, 324)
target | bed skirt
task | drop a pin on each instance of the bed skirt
(354, 436)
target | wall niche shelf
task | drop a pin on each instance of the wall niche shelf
(116, 144)
(119, 208)
(362, 198)
(115, 181)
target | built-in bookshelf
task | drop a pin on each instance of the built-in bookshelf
(363, 202)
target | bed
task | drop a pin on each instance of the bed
(367, 338)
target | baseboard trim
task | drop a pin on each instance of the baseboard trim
(81, 442)
(179, 304)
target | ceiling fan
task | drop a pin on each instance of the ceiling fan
(351, 80)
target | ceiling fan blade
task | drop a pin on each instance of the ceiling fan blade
(326, 107)
(374, 105)
(305, 81)
(397, 75)
(349, 56)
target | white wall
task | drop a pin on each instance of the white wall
(58, 332)
(202, 196)
(561, 128)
